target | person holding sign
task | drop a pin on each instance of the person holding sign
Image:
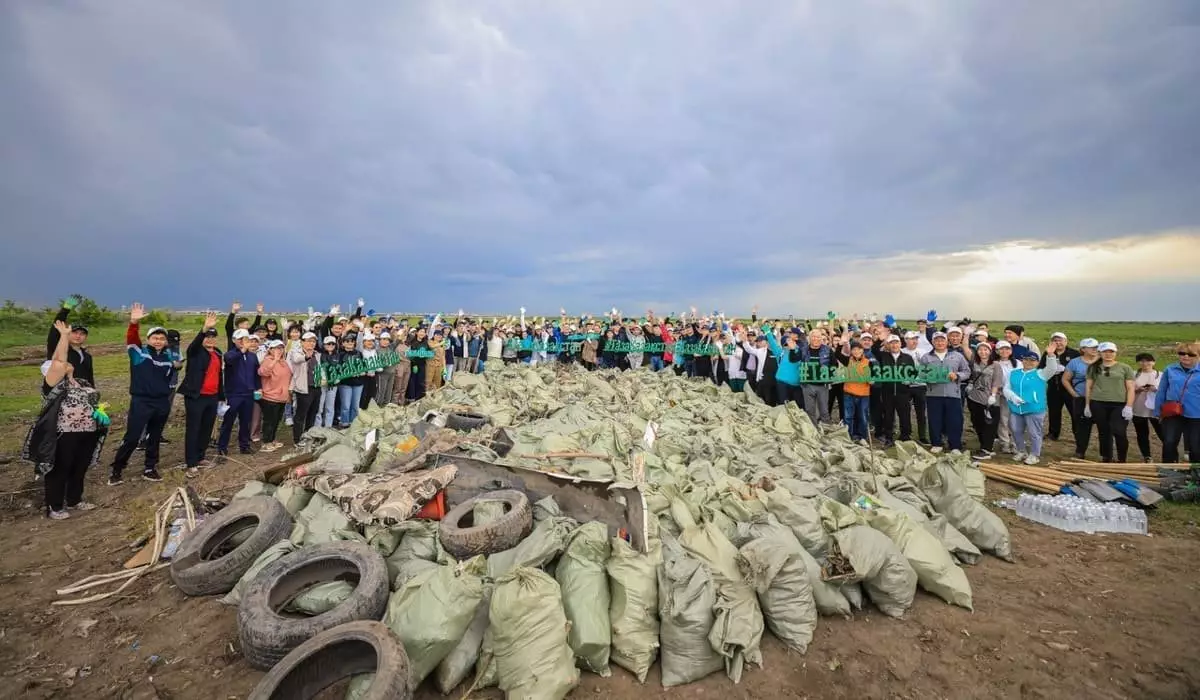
(943, 399)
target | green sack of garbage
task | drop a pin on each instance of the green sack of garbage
(270, 554)
(946, 493)
(321, 521)
(887, 577)
(633, 611)
(687, 597)
(541, 547)
(584, 583)
(431, 611)
(775, 567)
(828, 597)
(800, 514)
(935, 568)
(418, 551)
(737, 631)
(293, 496)
(321, 598)
(529, 637)
(458, 664)
(254, 488)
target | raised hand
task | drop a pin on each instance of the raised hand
(333, 310)
(62, 327)
(210, 320)
(237, 306)
(361, 303)
(71, 302)
(259, 307)
(136, 312)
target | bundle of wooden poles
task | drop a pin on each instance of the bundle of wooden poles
(1051, 478)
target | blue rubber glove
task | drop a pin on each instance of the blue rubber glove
(931, 316)
(101, 418)
(258, 396)
(370, 312)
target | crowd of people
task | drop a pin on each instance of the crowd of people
(883, 381)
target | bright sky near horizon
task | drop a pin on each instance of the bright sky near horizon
(1021, 160)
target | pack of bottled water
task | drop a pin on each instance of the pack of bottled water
(1075, 514)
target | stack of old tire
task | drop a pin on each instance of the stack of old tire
(302, 655)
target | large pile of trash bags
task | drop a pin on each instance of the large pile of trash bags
(759, 521)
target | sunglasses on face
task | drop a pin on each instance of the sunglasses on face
(1183, 353)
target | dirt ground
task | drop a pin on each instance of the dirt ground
(1075, 616)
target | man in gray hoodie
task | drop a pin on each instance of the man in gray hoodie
(943, 400)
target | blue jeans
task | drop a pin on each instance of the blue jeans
(656, 363)
(349, 396)
(855, 413)
(328, 405)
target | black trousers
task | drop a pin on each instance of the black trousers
(1081, 425)
(1178, 427)
(147, 415)
(837, 393)
(916, 397)
(305, 416)
(1112, 428)
(986, 423)
(1141, 428)
(72, 456)
(895, 406)
(788, 392)
(272, 413)
(370, 386)
(767, 391)
(1057, 399)
(201, 415)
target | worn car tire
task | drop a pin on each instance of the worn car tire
(464, 422)
(505, 533)
(336, 654)
(214, 556)
(267, 635)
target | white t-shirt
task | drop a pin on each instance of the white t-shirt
(1141, 398)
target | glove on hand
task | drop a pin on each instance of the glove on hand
(1127, 413)
(1087, 411)
(889, 320)
(931, 316)
(991, 399)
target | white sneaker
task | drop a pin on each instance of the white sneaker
(58, 515)
(289, 421)
(1031, 460)
(1019, 457)
(936, 449)
(955, 452)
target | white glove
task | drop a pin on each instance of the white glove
(1087, 411)
(333, 310)
(522, 310)
(991, 399)
(1127, 413)
(1017, 400)
(361, 302)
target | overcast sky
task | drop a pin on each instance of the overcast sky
(982, 158)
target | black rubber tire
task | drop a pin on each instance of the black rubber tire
(335, 654)
(464, 422)
(214, 556)
(504, 533)
(267, 636)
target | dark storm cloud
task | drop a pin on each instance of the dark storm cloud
(436, 155)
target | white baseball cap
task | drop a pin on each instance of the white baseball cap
(954, 329)
(1004, 344)
(939, 334)
(1058, 334)
(241, 333)
(893, 339)
(274, 344)
(1089, 343)
(912, 334)
(308, 335)
(1108, 346)
(385, 334)
(330, 339)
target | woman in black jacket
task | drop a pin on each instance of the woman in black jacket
(419, 348)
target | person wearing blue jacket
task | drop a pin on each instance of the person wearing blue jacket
(787, 374)
(1177, 404)
(1027, 396)
(243, 389)
(150, 369)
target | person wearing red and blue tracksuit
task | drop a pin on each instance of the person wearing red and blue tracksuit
(151, 367)
(243, 389)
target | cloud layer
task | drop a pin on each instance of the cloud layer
(431, 155)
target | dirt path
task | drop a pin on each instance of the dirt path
(32, 355)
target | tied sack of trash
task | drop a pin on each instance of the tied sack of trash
(737, 631)
(254, 488)
(886, 575)
(320, 599)
(936, 570)
(322, 521)
(775, 567)
(949, 497)
(541, 547)
(430, 613)
(293, 496)
(828, 597)
(686, 599)
(270, 554)
(633, 611)
(584, 583)
(529, 637)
